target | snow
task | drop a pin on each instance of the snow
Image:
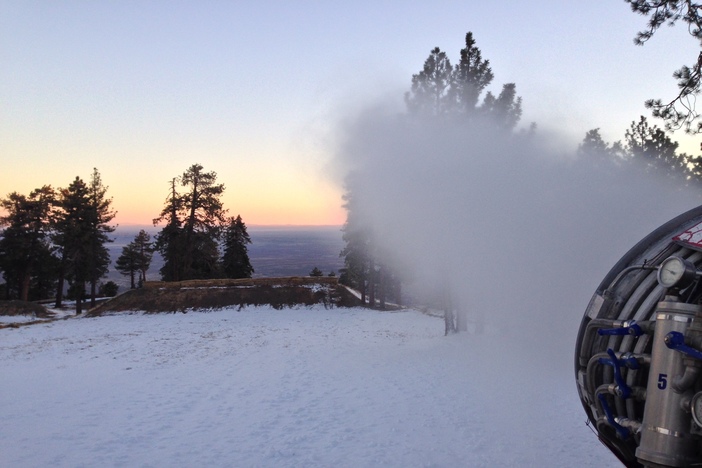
(282, 388)
(17, 318)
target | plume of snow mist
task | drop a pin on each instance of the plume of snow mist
(520, 234)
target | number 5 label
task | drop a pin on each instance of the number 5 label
(662, 381)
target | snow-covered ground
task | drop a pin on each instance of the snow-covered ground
(263, 387)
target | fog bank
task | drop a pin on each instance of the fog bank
(522, 232)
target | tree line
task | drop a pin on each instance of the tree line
(56, 236)
(53, 241)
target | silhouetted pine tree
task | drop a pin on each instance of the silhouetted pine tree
(26, 255)
(170, 241)
(235, 260)
(101, 214)
(74, 236)
(680, 112)
(136, 259)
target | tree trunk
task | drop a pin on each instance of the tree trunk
(381, 288)
(449, 315)
(61, 279)
(93, 292)
(371, 284)
(449, 322)
(24, 292)
(79, 301)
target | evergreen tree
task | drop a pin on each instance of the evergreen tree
(126, 263)
(81, 231)
(26, 254)
(593, 146)
(471, 76)
(205, 215)
(144, 251)
(680, 112)
(504, 110)
(597, 152)
(74, 236)
(188, 242)
(136, 259)
(170, 241)
(440, 89)
(235, 260)
(646, 148)
(430, 91)
(101, 214)
(108, 289)
(205, 261)
(357, 249)
(650, 145)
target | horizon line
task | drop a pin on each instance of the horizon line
(248, 225)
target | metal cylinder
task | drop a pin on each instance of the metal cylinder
(665, 431)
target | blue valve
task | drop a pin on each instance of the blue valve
(624, 391)
(676, 341)
(629, 328)
(622, 431)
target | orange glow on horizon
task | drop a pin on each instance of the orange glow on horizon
(263, 192)
(318, 206)
(271, 217)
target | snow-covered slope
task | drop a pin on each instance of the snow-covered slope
(264, 387)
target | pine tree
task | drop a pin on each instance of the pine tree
(646, 148)
(205, 215)
(357, 250)
(74, 237)
(504, 110)
(430, 91)
(144, 251)
(650, 145)
(126, 263)
(442, 90)
(26, 254)
(593, 146)
(170, 240)
(189, 241)
(680, 112)
(471, 76)
(235, 260)
(136, 259)
(101, 215)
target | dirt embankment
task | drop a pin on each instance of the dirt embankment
(28, 312)
(182, 296)
(23, 308)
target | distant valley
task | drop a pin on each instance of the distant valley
(274, 251)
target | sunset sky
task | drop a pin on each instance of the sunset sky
(256, 91)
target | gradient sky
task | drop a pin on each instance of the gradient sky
(255, 90)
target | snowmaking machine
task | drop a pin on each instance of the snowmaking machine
(638, 356)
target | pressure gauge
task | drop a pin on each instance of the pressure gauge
(696, 408)
(676, 272)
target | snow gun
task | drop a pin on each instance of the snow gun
(638, 356)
